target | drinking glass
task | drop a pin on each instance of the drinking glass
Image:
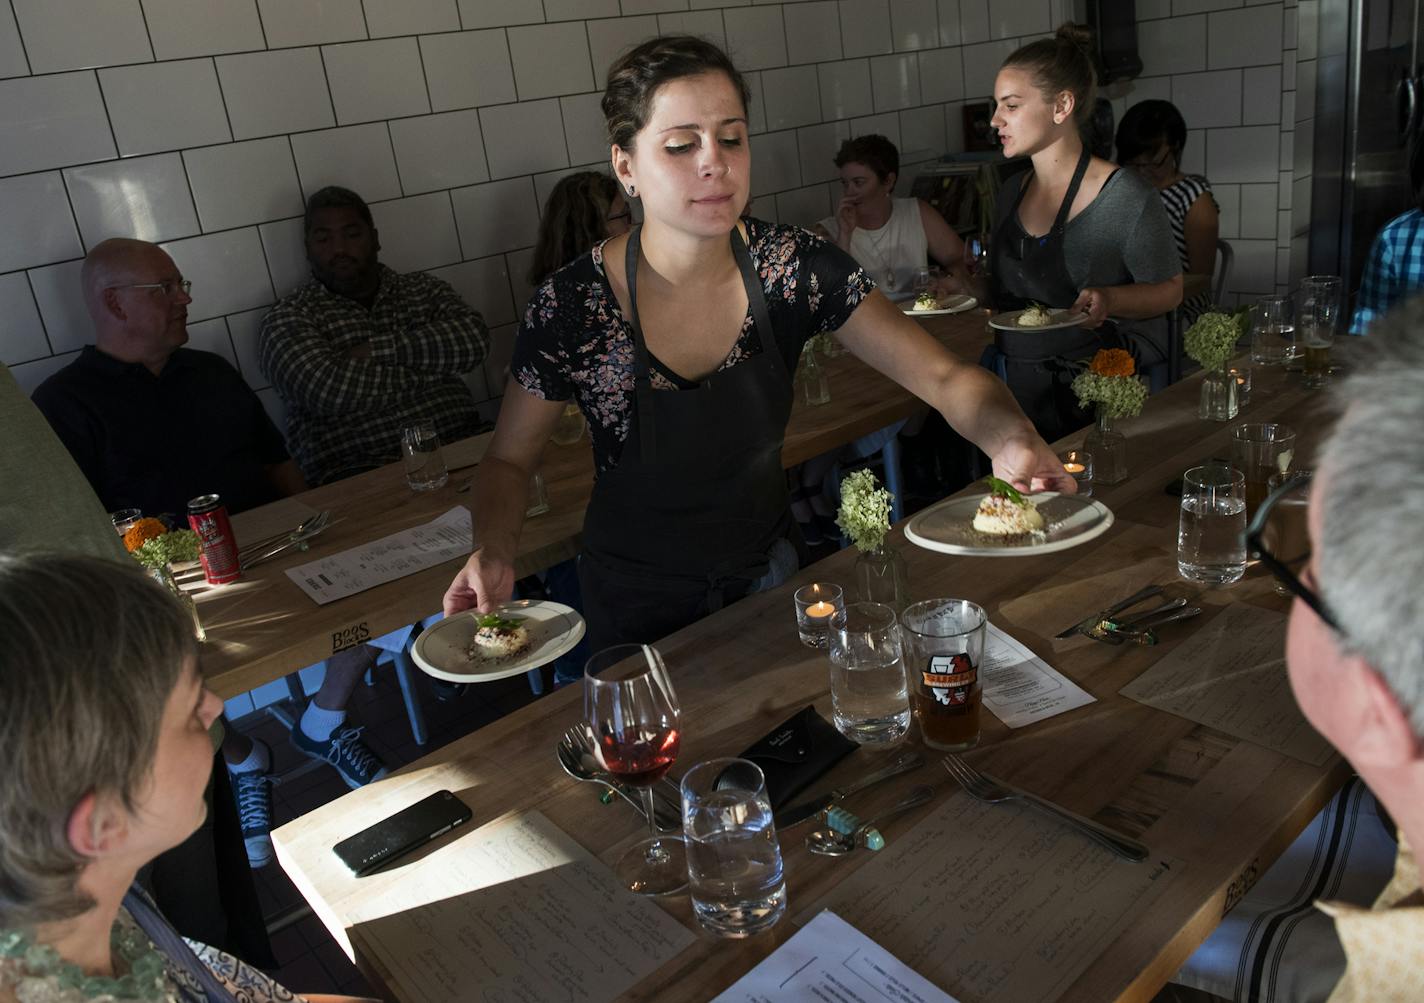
(1241, 373)
(733, 858)
(944, 645)
(976, 254)
(538, 496)
(1211, 538)
(568, 429)
(1079, 463)
(814, 605)
(1287, 535)
(1260, 450)
(922, 280)
(1273, 331)
(1317, 320)
(124, 518)
(869, 697)
(629, 703)
(424, 463)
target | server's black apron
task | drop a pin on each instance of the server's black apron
(1041, 364)
(685, 520)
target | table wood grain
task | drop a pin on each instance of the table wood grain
(1224, 806)
(263, 626)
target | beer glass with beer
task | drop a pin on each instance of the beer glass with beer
(1287, 534)
(944, 646)
(1260, 450)
(1317, 317)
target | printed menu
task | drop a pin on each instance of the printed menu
(1021, 688)
(385, 560)
(1231, 676)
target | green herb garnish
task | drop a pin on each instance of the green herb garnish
(496, 622)
(1005, 490)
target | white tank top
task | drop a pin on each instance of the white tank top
(892, 253)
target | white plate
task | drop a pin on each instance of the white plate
(1061, 318)
(443, 650)
(958, 303)
(948, 527)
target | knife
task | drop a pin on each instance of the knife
(810, 808)
(1088, 623)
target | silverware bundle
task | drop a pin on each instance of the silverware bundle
(1110, 627)
(264, 550)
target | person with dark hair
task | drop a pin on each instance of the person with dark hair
(1395, 266)
(891, 238)
(583, 209)
(679, 340)
(1073, 232)
(1150, 140)
(360, 352)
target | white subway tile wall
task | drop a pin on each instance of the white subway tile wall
(202, 125)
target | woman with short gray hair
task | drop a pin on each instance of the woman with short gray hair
(104, 721)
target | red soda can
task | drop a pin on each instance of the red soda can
(207, 516)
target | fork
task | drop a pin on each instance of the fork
(581, 741)
(985, 788)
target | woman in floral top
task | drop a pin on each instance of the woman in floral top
(679, 341)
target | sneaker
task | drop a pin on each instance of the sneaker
(446, 691)
(253, 793)
(353, 758)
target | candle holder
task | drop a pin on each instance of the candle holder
(1242, 375)
(1079, 463)
(815, 603)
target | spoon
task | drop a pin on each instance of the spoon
(829, 843)
(580, 765)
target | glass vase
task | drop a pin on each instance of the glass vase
(814, 387)
(1218, 396)
(163, 574)
(1109, 449)
(881, 576)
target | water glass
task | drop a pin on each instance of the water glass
(1286, 534)
(1079, 463)
(1211, 538)
(424, 463)
(538, 496)
(944, 646)
(1260, 450)
(869, 697)
(124, 518)
(1273, 331)
(1317, 320)
(814, 605)
(734, 866)
(923, 280)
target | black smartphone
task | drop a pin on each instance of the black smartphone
(370, 849)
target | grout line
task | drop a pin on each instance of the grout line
(108, 120)
(261, 27)
(44, 328)
(365, 21)
(143, 16)
(326, 79)
(20, 37)
(231, 135)
(420, 58)
(513, 74)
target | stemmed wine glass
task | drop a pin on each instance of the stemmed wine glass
(976, 254)
(629, 703)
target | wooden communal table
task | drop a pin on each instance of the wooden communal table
(1224, 806)
(263, 627)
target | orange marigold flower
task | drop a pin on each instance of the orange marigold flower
(1113, 362)
(141, 532)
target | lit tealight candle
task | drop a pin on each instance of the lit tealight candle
(1073, 468)
(815, 605)
(821, 608)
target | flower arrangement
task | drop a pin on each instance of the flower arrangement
(1211, 340)
(1111, 383)
(819, 343)
(865, 511)
(154, 546)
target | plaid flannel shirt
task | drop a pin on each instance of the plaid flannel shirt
(345, 415)
(1394, 269)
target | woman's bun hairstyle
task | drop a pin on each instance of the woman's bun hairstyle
(1062, 63)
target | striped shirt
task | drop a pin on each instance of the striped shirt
(345, 415)
(1395, 267)
(1177, 199)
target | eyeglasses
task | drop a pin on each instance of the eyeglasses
(1296, 489)
(1152, 165)
(169, 286)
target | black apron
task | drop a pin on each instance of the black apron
(684, 522)
(1040, 365)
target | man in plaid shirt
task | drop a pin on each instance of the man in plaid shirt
(360, 352)
(1395, 267)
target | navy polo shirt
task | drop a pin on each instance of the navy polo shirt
(154, 442)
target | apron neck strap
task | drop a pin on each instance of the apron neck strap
(1061, 219)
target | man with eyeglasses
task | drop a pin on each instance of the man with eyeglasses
(361, 351)
(1341, 916)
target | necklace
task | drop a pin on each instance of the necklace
(875, 244)
(38, 974)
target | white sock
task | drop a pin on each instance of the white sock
(318, 723)
(257, 761)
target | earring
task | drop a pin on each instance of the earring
(632, 192)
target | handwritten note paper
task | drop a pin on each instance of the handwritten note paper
(828, 959)
(523, 914)
(1021, 688)
(996, 903)
(1231, 676)
(386, 559)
